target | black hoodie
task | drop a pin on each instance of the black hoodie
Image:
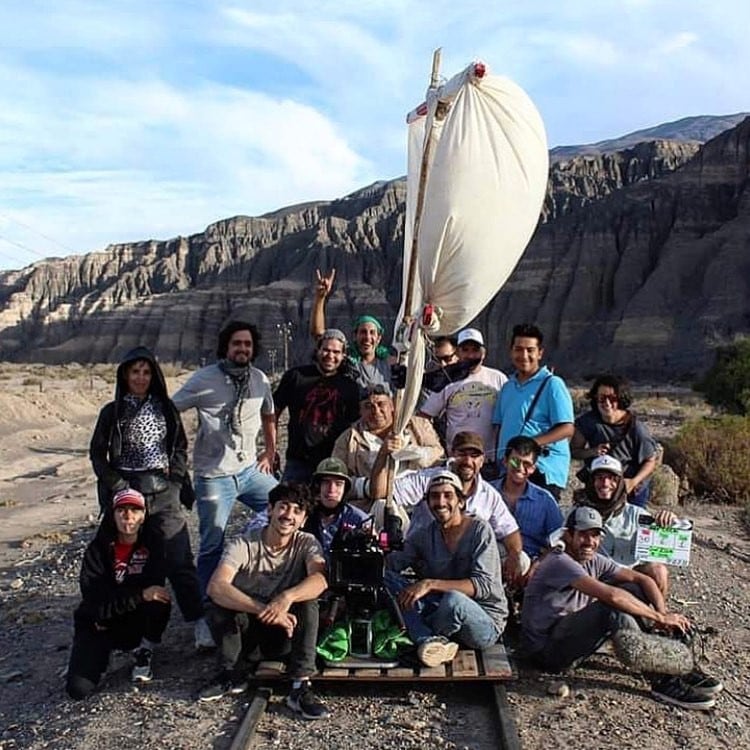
(106, 442)
(104, 598)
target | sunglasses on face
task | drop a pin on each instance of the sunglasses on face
(520, 465)
(607, 399)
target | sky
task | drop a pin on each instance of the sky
(127, 120)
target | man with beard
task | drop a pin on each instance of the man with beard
(233, 401)
(607, 491)
(330, 485)
(536, 403)
(358, 446)
(481, 499)
(468, 404)
(322, 403)
(458, 598)
(368, 360)
(577, 599)
(265, 596)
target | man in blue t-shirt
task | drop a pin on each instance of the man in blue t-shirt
(536, 403)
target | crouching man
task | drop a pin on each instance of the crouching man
(578, 598)
(458, 597)
(264, 596)
(125, 605)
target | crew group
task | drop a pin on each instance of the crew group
(483, 527)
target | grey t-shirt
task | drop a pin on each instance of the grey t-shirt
(263, 573)
(217, 451)
(550, 594)
(476, 558)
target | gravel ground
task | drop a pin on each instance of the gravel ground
(605, 699)
(606, 704)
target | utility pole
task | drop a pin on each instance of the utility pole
(272, 356)
(285, 334)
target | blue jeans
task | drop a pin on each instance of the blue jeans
(642, 494)
(452, 614)
(215, 498)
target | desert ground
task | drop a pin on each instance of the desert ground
(48, 513)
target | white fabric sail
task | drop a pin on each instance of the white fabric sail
(486, 176)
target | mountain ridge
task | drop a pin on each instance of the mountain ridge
(173, 295)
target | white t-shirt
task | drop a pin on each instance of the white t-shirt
(485, 503)
(468, 406)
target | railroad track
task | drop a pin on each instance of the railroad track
(480, 675)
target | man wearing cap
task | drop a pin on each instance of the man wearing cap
(368, 359)
(577, 599)
(537, 404)
(607, 491)
(481, 499)
(125, 605)
(322, 403)
(458, 597)
(234, 404)
(357, 447)
(330, 485)
(468, 404)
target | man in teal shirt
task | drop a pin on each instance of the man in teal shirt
(537, 404)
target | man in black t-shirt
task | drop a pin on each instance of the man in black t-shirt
(322, 403)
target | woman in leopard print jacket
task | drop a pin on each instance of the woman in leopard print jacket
(139, 442)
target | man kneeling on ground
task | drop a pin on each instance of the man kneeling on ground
(264, 595)
(458, 598)
(577, 599)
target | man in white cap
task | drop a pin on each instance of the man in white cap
(468, 404)
(606, 491)
(577, 599)
(459, 597)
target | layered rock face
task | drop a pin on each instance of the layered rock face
(639, 264)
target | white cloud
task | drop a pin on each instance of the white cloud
(132, 119)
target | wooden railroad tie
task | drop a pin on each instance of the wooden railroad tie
(488, 665)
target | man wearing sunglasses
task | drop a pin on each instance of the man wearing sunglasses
(535, 510)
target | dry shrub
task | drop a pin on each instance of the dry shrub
(711, 454)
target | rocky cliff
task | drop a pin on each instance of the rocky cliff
(638, 264)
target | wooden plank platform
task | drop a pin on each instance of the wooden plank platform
(489, 665)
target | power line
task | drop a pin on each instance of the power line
(36, 231)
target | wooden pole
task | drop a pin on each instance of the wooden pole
(409, 291)
(426, 152)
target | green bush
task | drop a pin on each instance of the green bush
(711, 453)
(727, 383)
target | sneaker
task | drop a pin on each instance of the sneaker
(204, 641)
(674, 690)
(436, 650)
(142, 667)
(226, 682)
(303, 701)
(702, 684)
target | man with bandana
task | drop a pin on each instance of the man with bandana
(368, 360)
(234, 403)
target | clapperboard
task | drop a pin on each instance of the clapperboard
(670, 545)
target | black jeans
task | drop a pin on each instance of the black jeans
(238, 634)
(166, 516)
(578, 635)
(91, 647)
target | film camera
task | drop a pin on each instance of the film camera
(356, 575)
